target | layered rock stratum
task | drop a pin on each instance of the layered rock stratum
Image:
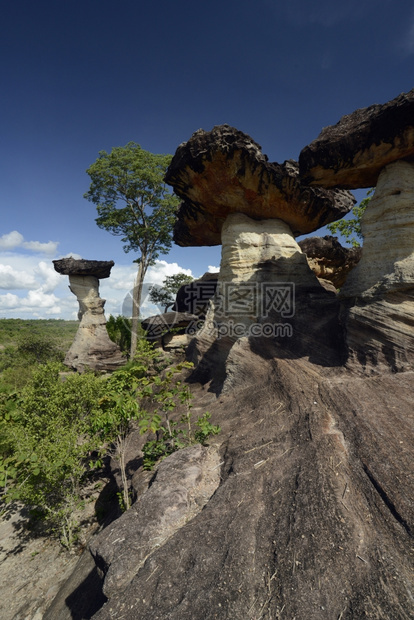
(329, 260)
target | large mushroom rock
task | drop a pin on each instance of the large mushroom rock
(375, 146)
(223, 171)
(329, 260)
(352, 153)
(235, 197)
(92, 348)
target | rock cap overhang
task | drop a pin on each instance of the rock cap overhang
(352, 153)
(81, 267)
(223, 171)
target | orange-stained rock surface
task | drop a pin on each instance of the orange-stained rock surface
(223, 171)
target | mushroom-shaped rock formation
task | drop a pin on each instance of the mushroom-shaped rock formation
(223, 171)
(329, 260)
(234, 196)
(352, 153)
(92, 347)
(375, 146)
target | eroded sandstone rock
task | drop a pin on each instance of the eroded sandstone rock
(352, 153)
(387, 225)
(329, 260)
(183, 484)
(223, 171)
(92, 348)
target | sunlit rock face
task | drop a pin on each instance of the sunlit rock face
(264, 286)
(378, 295)
(246, 243)
(223, 171)
(92, 348)
(248, 247)
(387, 262)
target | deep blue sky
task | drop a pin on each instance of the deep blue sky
(80, 77)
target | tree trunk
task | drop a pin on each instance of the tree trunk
(136, 304)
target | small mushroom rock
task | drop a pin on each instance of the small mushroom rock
(92, 348)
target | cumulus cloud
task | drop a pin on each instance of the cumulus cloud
(11, 240)
(117, 290)
(12, 279)
(14, 239)
(42, 248)
(33, 289)
(212, 269)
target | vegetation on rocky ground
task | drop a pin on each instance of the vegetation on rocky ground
(57, 429)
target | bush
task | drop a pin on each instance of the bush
(55, 431)
(119, 331)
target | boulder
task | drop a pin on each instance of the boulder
(329, 260)
(92, 348)
(352, 153)
(182, 485)
(313, 517)
(223, 171)
(194, 297)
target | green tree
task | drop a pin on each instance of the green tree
(165, 295)
(133, 202)
(351, 228)
(119, 331)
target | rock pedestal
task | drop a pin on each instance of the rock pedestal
(379, 293)
(387, 262)
(92, 347)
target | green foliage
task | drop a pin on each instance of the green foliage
(352, 226)
(172, 435)
(165, 295)
(119, 331)
(62, 332)
(55, 432)
(132, 199)
(47, 443)
(32, 346)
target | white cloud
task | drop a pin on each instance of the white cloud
(33, 289)
(15, 239)
(12, 279)
(212, 269)
(117, 289)
(9, 301)
(11, 240)
(43, 248)
(48, 275)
